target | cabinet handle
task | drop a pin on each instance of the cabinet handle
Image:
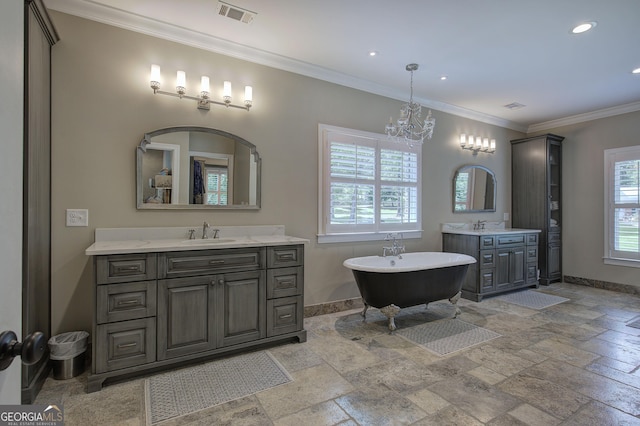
(285, 256)
(286, 282)
(285, 316)
(127, 345)
(216, 262)
(128, 268)
(127, 302)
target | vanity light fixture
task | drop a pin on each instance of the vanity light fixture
(477, 144)
(204, 100)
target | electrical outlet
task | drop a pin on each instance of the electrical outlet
(505, 216)
(77, 217)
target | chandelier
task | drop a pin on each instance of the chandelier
(410, 126)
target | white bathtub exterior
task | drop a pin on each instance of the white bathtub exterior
(408, 262)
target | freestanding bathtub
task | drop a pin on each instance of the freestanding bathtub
(390, 283)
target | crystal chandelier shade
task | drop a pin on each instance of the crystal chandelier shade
(410, 127)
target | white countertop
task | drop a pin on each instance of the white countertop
(491, 228)
(147, 240)
(492, 231)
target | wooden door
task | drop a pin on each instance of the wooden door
(186, 316)
(241, 307)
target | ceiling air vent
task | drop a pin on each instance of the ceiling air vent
(235, 12)
(514, 105)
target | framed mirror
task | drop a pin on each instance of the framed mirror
(474, 190)
(196, 168)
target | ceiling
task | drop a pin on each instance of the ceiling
(493, 52)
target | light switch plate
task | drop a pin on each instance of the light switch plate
(77, 217)
(505, 216)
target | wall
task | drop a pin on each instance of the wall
(102, 106)
(583, 195)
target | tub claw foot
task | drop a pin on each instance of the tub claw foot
(454, 302)
(364, 312)
(390, 312)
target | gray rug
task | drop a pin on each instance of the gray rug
(446, 336)
(188, 390)
(532, 299)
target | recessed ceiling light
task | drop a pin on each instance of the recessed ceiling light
(373, 53)
(586, 26)
(444, 77)
(636, 71)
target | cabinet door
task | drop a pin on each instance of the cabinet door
(554, 263)
(186, 312)
(510, 267)
(517, 266)
(241, 307)
(502, 276)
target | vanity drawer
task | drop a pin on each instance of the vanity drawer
(120, 268)
(190, 263)
(487, 241)
(120, 302)
(511, 240)
(285, 256)
(487, 282)
(128, 343)
(532, 239)
(487, 258)
(284, 315)
(532, 254)
(285, 282)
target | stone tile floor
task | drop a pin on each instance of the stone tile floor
(575, 363)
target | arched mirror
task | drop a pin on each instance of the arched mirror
(474, 190)
(197, 168)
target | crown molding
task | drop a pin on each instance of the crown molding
(119, 18)
(587, 116)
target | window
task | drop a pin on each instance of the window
(369, 186)
(622, 206)
(217, 179)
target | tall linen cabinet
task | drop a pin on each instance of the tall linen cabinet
(536, 176)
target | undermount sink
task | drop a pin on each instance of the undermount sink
(207, 241)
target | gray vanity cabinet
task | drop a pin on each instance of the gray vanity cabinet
(156, 310)
(504, 261)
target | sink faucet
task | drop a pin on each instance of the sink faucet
(205, 231)
(479, 225)
(396, 248)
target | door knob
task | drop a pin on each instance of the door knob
(31, 349)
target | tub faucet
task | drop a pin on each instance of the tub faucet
(396, 248)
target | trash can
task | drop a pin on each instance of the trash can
(67, 354)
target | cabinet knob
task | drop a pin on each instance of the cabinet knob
(221, 281)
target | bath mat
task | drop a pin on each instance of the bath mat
(188, 390)
(532, 299)
(447, 335)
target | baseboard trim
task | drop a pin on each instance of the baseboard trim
(333, 307)
(29, 393)
(605, 285)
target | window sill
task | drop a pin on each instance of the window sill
(622, 262)
(365, 236)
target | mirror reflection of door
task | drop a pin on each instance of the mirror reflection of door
(210, 183)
